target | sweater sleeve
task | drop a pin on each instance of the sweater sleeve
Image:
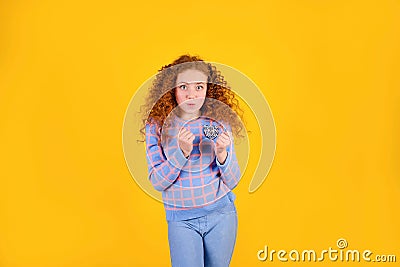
(230, 171)
(163, 171)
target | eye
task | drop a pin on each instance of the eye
(199, 87)
(183, 87)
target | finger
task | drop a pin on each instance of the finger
(183, 131)
(182, 137)
(190, 137)
(185, 134)
(227, 141)
(228, 133)
(222, 135)
(220, 142)
(224, 139)
(189, 133)
(228, 137)
(225, 135)
(223, 142)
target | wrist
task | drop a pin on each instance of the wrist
(185, 154)
(221, 156)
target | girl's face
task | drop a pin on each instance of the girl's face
(190, 91)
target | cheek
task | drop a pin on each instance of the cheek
(203, 93)
(179, 98)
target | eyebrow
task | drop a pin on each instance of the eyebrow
(197, 82)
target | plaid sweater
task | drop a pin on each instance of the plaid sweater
(194, 186)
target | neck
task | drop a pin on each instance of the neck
(189, 116)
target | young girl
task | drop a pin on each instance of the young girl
(190, 118)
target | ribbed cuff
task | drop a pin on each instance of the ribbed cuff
(178, 159)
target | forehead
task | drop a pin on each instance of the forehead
(190, 76)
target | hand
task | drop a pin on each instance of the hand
(185, 141)
(223, 141)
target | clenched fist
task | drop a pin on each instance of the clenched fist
(223, 141)
(185, 141)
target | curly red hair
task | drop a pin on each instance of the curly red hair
(160, 101)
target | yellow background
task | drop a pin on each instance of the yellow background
(329, 70)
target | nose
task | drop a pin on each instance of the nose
(191, 92)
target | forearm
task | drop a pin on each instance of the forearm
(163, 174)
(163, 170)
(230, 171)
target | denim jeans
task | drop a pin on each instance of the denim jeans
(207, 241)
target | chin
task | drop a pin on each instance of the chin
(192, 112)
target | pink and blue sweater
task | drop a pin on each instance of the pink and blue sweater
(195, 186)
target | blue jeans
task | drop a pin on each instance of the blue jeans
(207, 241)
